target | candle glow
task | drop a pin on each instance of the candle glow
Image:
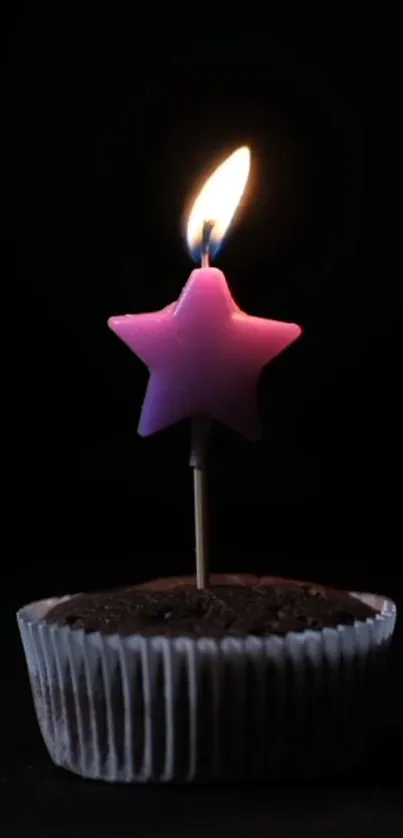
(218, 201)
(204, 354)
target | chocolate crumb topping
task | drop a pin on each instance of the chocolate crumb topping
(177, 608)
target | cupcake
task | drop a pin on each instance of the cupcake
(248, 679)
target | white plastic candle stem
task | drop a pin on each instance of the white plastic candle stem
(200, 434)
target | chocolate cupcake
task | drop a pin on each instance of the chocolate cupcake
(251, 678)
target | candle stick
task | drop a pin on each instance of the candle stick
(204, 354)
(198, 462)
(198, 458)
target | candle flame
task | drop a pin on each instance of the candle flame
(218, 201)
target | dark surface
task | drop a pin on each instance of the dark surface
(219, 611)
(33, 792)
(60, 805)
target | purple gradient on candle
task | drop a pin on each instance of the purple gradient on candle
(204, 354)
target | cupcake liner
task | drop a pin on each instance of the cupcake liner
(142, 709)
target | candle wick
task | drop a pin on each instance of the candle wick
(208, 227)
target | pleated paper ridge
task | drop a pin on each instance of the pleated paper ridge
(141, 709)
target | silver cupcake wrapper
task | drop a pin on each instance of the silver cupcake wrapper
(142, 709)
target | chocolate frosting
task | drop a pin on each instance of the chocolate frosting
(234, 605)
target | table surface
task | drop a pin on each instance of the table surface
(51, 802)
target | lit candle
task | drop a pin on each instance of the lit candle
(204, 354)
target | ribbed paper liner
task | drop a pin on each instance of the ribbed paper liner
(139, 709)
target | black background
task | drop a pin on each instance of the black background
(111, 119)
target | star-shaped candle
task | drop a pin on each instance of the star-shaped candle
(204, 354)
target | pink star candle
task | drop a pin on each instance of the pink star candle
(204, 354)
